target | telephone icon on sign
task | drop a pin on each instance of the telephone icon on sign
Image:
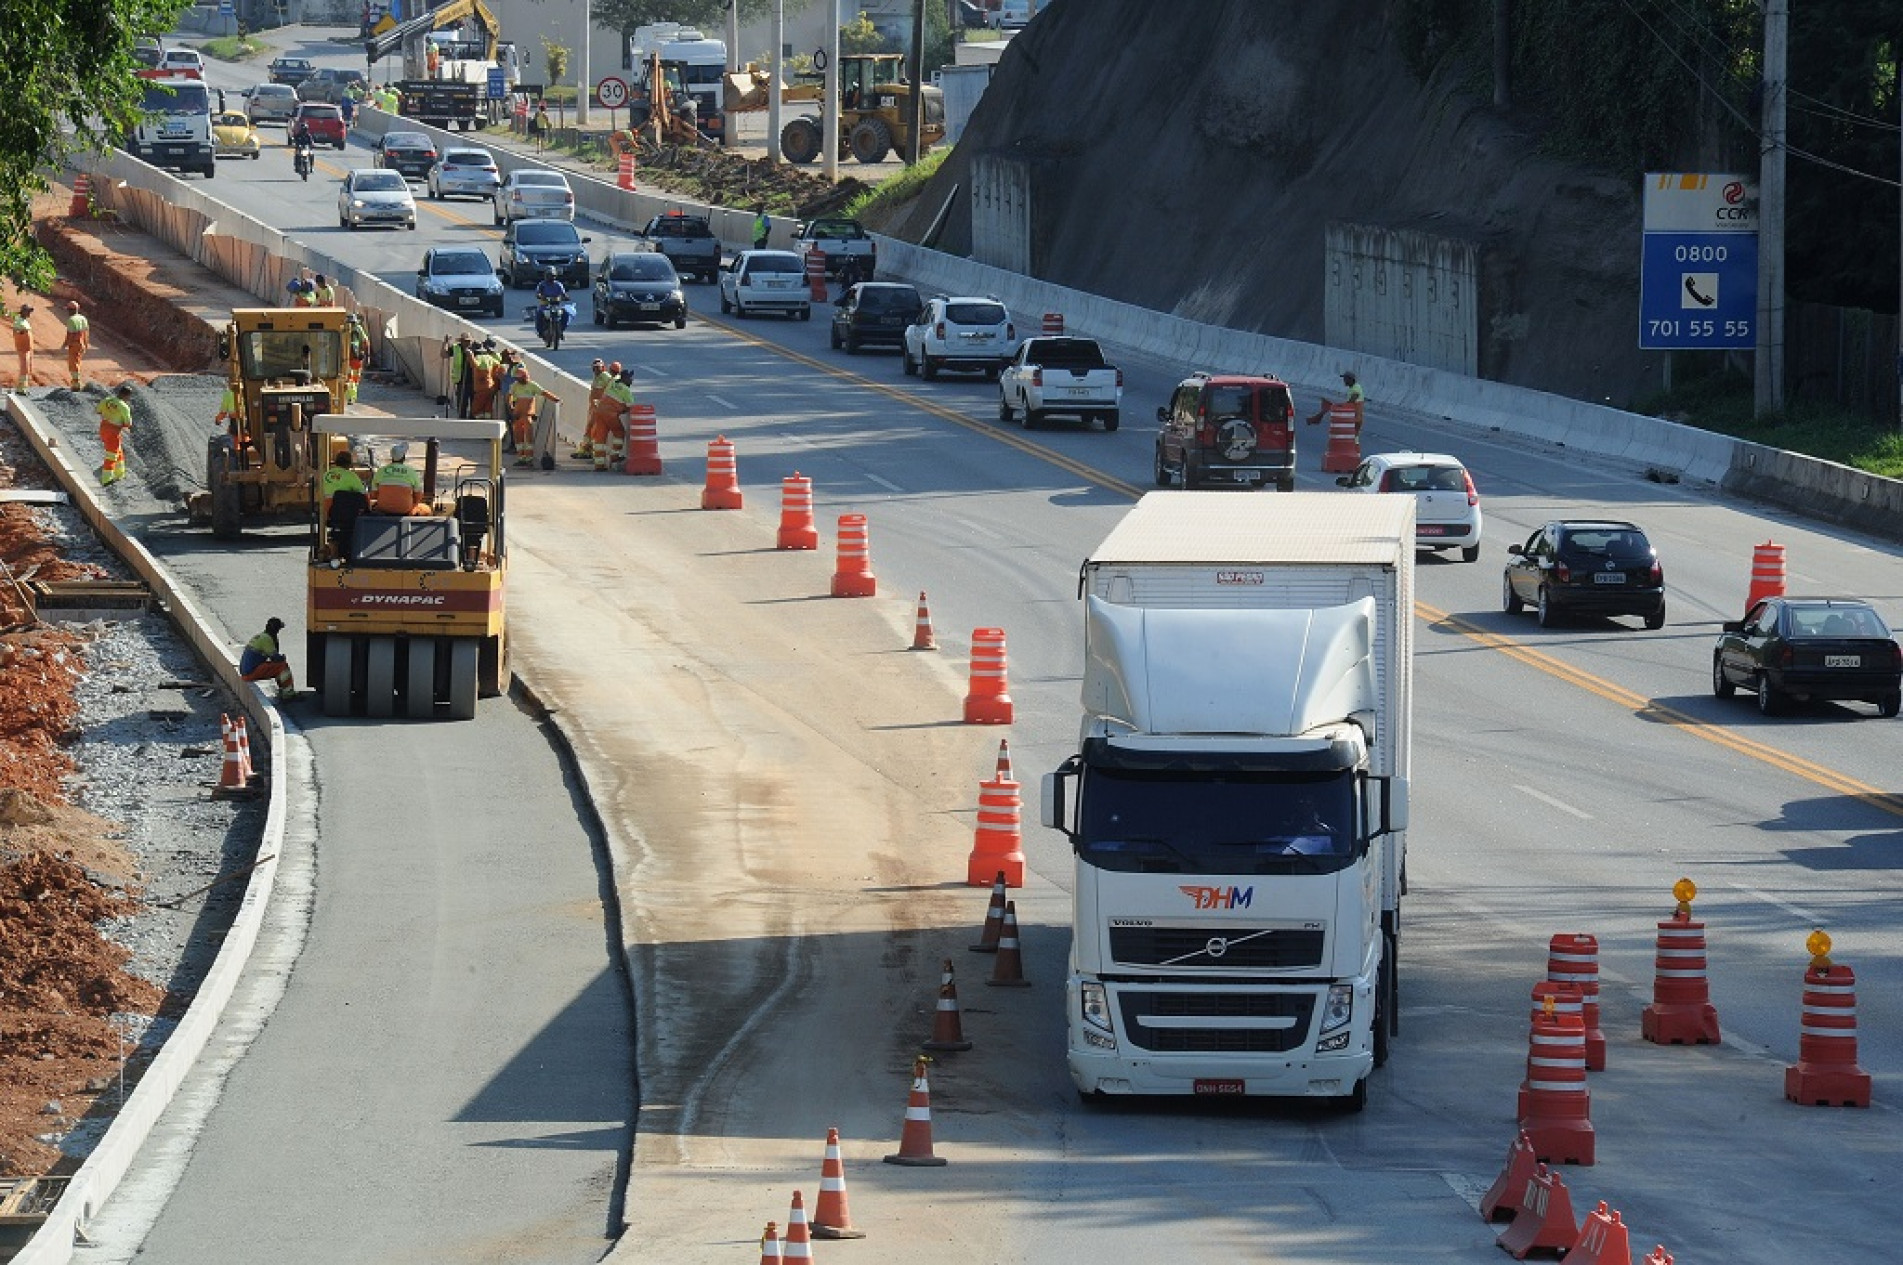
(1702, 289)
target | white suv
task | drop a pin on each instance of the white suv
(1446, 503)
(960, 333)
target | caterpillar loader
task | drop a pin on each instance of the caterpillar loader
(406, 613)
(875, 111)
(285, 367)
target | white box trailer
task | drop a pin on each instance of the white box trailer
(1237, 808)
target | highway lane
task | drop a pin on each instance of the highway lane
(1506, 749)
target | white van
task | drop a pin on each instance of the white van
(1011, 14)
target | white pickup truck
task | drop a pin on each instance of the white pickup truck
(1060, 376)
(838, 240)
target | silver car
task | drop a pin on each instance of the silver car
(464, 173)
(371, 195)
(534, 195)
(271, 103)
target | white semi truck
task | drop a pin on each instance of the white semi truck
(1238, 806)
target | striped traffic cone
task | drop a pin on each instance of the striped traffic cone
(915, 1141)
(1681, 1012)
(994, 919)
(796, 514)
(722, 490)
(988, 698)
(797, 1246)
(231, 777)
(852, 576)
(998, 842)
(948, 1026)
(770, 1245)
(244, 747)
(922, 638)
(831, 1220)
(1009, 972)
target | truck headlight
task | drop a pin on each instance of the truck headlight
(1337, 1011)
(1096, 1005)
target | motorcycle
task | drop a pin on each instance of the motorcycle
(551, 322)
(303, 160)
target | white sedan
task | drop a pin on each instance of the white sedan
(371, 195)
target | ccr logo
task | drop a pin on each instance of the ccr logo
(1219, 897)
(1734, 193)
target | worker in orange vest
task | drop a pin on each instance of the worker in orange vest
(78, 341)
(523, 398)
(23, 345)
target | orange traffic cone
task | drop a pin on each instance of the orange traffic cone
(830, 1218)
(1009, 972)
(1657, 1256)
(1545, 1219)
(231, 777)
(922, 638)
(1602, 1239)
(1053, 324)
(915, 1142)
(770, 1245)
(987, 701)
(796, 513)
(994, 919)
(998, 843)
(797, 1247)
(722, 491)
(1344, 439)
(244, 747)
(81, 206)
(1826, 1073)
(1509, 1188)
(644, 441)
(853, 577)
(948, 1027)
(1767, 574)
(1681, 1012)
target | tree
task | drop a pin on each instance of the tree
(555, 60)
(63, 64)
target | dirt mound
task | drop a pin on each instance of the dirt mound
(719, 178)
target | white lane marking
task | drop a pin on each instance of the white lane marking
(723, 404)
(1550, 802)
(886, 484)
(1803, 915)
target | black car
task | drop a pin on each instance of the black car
(531, 247)
(1809, 648)
(1585, 567)
(639, 286)
(874, 313)
(329, 84)
(411, 153)
(460, 278)
(291, 70)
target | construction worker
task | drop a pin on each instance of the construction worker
(306, 293)
(78, 341)
(227, 410)
(263, 660)
(23, 346)
(397, 486)
(341, 476)
(523, 401)
(461, 368)
(762, 227)
(358, 351)
(596, 385)
(505, 378)
(323, 294)
(1356, 396)
(618, 399)
(115, 419)
(485, 380)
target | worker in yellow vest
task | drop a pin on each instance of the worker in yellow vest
(115, 419)
(79, 340)
(23, 346)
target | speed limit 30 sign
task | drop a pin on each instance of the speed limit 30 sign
(612, 93)
(1698, 268)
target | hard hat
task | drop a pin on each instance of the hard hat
(615, 368)
(400, 452)
(73, 305)
(599, 363)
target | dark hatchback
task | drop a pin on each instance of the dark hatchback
(641, 287)
(1820, 648)
(411, 153)
(874, 313)
(531, 247)
(291, 70)
(1585, 567)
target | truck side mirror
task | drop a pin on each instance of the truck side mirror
(1384, 810)
(1051, 811)
(1163, 416)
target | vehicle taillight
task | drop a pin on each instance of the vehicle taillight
(1896, 655)
(568, 197)
(1658, 574)
(1010, 332)
(1387, 481)
(938, 331)
(1473, 493)
(1562, 573)
(1037, 377)
(1786, 655)
(1119, 377)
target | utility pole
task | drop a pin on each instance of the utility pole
(733, 38)
(1768, 374)
(1502, 53)
(829, 102)
(775, 65)
(585, 81)
(917, 105)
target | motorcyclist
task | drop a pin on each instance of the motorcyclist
(302, 146)
(552, 294)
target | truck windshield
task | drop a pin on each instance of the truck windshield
(1172, 822)
(280, 353)
(176, 98)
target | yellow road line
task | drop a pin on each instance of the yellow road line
(1652, 709)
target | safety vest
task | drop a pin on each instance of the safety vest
(228, 404)
(457, 355)
(264, 645)
(22, 333)
(602, 382)
(343, 479)
(114, 412)
(324, 296)
(76, 328)
(761, 226)
(620, 392)
(1356, 395)
(359, 344)
(519, 392)
(398, 472)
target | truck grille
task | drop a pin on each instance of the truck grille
(1136, 1007)
(1194, 946)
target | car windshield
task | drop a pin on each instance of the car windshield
(1607, 542)
(468, 158)
(1425, 479)
(277, 90)
(975, 313)
(1166, 821)
(541, 179)
(233, 120)
(406, 140)
(460, 264)
(1836, 621)
(378, 182)
(682, 228)
(551, 233)
(895, 299)
(775, 263)
(641, 268)
(319, 113)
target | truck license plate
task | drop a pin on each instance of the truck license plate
(1843, 660)
(1079, 392)
(1203, 1086)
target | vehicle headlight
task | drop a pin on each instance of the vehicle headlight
(358, 204)
(1095, 1002)
(1337, 1011)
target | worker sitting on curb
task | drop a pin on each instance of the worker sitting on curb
(263, 660)
(397, 486)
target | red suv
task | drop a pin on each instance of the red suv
(326, 123)
(1227, 428)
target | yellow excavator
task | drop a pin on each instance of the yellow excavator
(875, 111)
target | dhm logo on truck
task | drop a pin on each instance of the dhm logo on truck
(1219, 897)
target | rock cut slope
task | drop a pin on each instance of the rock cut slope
(1190, 159)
